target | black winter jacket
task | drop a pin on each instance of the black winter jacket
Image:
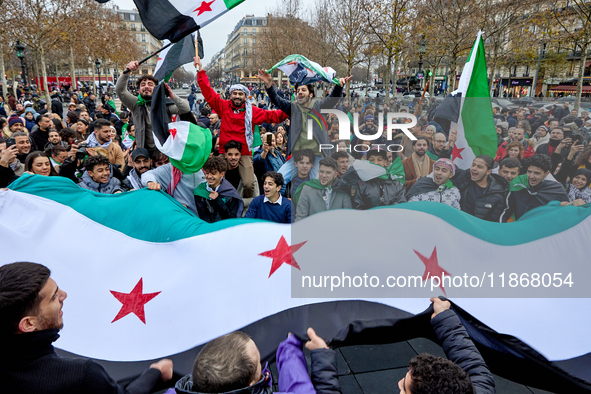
(30, 365)
(492, 202)
(378, 193)
(460, 349)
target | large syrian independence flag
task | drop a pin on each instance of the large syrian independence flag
(186, 143)
(174, 19)
(155, 281)
(469, 108)
(173, 57)
(302, 71)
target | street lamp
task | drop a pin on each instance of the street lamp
(97, 63)
(20, 53)
(422, 50)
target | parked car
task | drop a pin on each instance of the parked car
(185, 86)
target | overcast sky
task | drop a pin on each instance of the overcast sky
(216, 33)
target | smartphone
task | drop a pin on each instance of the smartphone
(269, 139)
(568, 133)
(10, 142)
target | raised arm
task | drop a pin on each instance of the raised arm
(459, 348)
(128, 99)
(281, 103)
(211, 97)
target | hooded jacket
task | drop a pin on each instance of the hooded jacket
(528, 198)
(110, 187)
(491, 204)
(227, 205)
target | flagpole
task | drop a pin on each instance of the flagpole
(418, 108)
(127, 70)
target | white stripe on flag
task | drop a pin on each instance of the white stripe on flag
(174, 146)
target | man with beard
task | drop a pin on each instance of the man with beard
(23, 146)
(536, 188)
(239, 118)
(419, 164)
(519, 136)
(300, 111)
(483, 193)
(31, 308)
(556, 144)
(140, 106)
(436, 186)
(102, 138)
(509, 168)
(53, 140)
(40, 137)
(141, 163)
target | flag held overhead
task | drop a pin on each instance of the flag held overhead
(302, 71)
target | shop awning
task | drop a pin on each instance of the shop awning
(570, 88)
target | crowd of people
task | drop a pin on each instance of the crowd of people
(279, 158)
(286, 172)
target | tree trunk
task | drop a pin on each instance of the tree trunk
(387, 78)
(73, 70)
(509, 82)
(37, 71)
(44, 72)
(14, 82)
(431, 83)
(3, 72)
(581, 75)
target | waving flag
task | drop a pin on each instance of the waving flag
(173, 272)
(187, 144)
(303, 71)
(176, 55)
(470, 108)
(174, 19)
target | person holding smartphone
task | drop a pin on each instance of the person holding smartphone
(267, 158)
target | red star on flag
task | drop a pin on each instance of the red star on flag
(159, 58)
(455, 153)
(133, 302)
(283, 253)
(432, 267)
(173, 132)
(204, 7)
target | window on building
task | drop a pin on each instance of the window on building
(245, 51)
(264, 22)
(144, 50)
(133, 26)
(254, 31)
(142, 27)
(245, 31)
(254, 41)
(131, 17)
(254, 22)
(245, 41)
(143, 38)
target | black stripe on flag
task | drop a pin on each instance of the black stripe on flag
(163, 20)
(372, 324)
(180, 53)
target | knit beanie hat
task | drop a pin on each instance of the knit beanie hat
(15, 119)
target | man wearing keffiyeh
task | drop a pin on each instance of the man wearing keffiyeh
(238, 117)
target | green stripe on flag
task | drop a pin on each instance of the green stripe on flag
(170, 221)
(197, 150)
(477, 115)
(232, 3)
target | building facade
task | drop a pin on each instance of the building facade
(240, 52)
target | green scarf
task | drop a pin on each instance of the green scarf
(519, 183)
(140, 100)
(395, 171)
(313, 183)
(202, 191)
(433, 156)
